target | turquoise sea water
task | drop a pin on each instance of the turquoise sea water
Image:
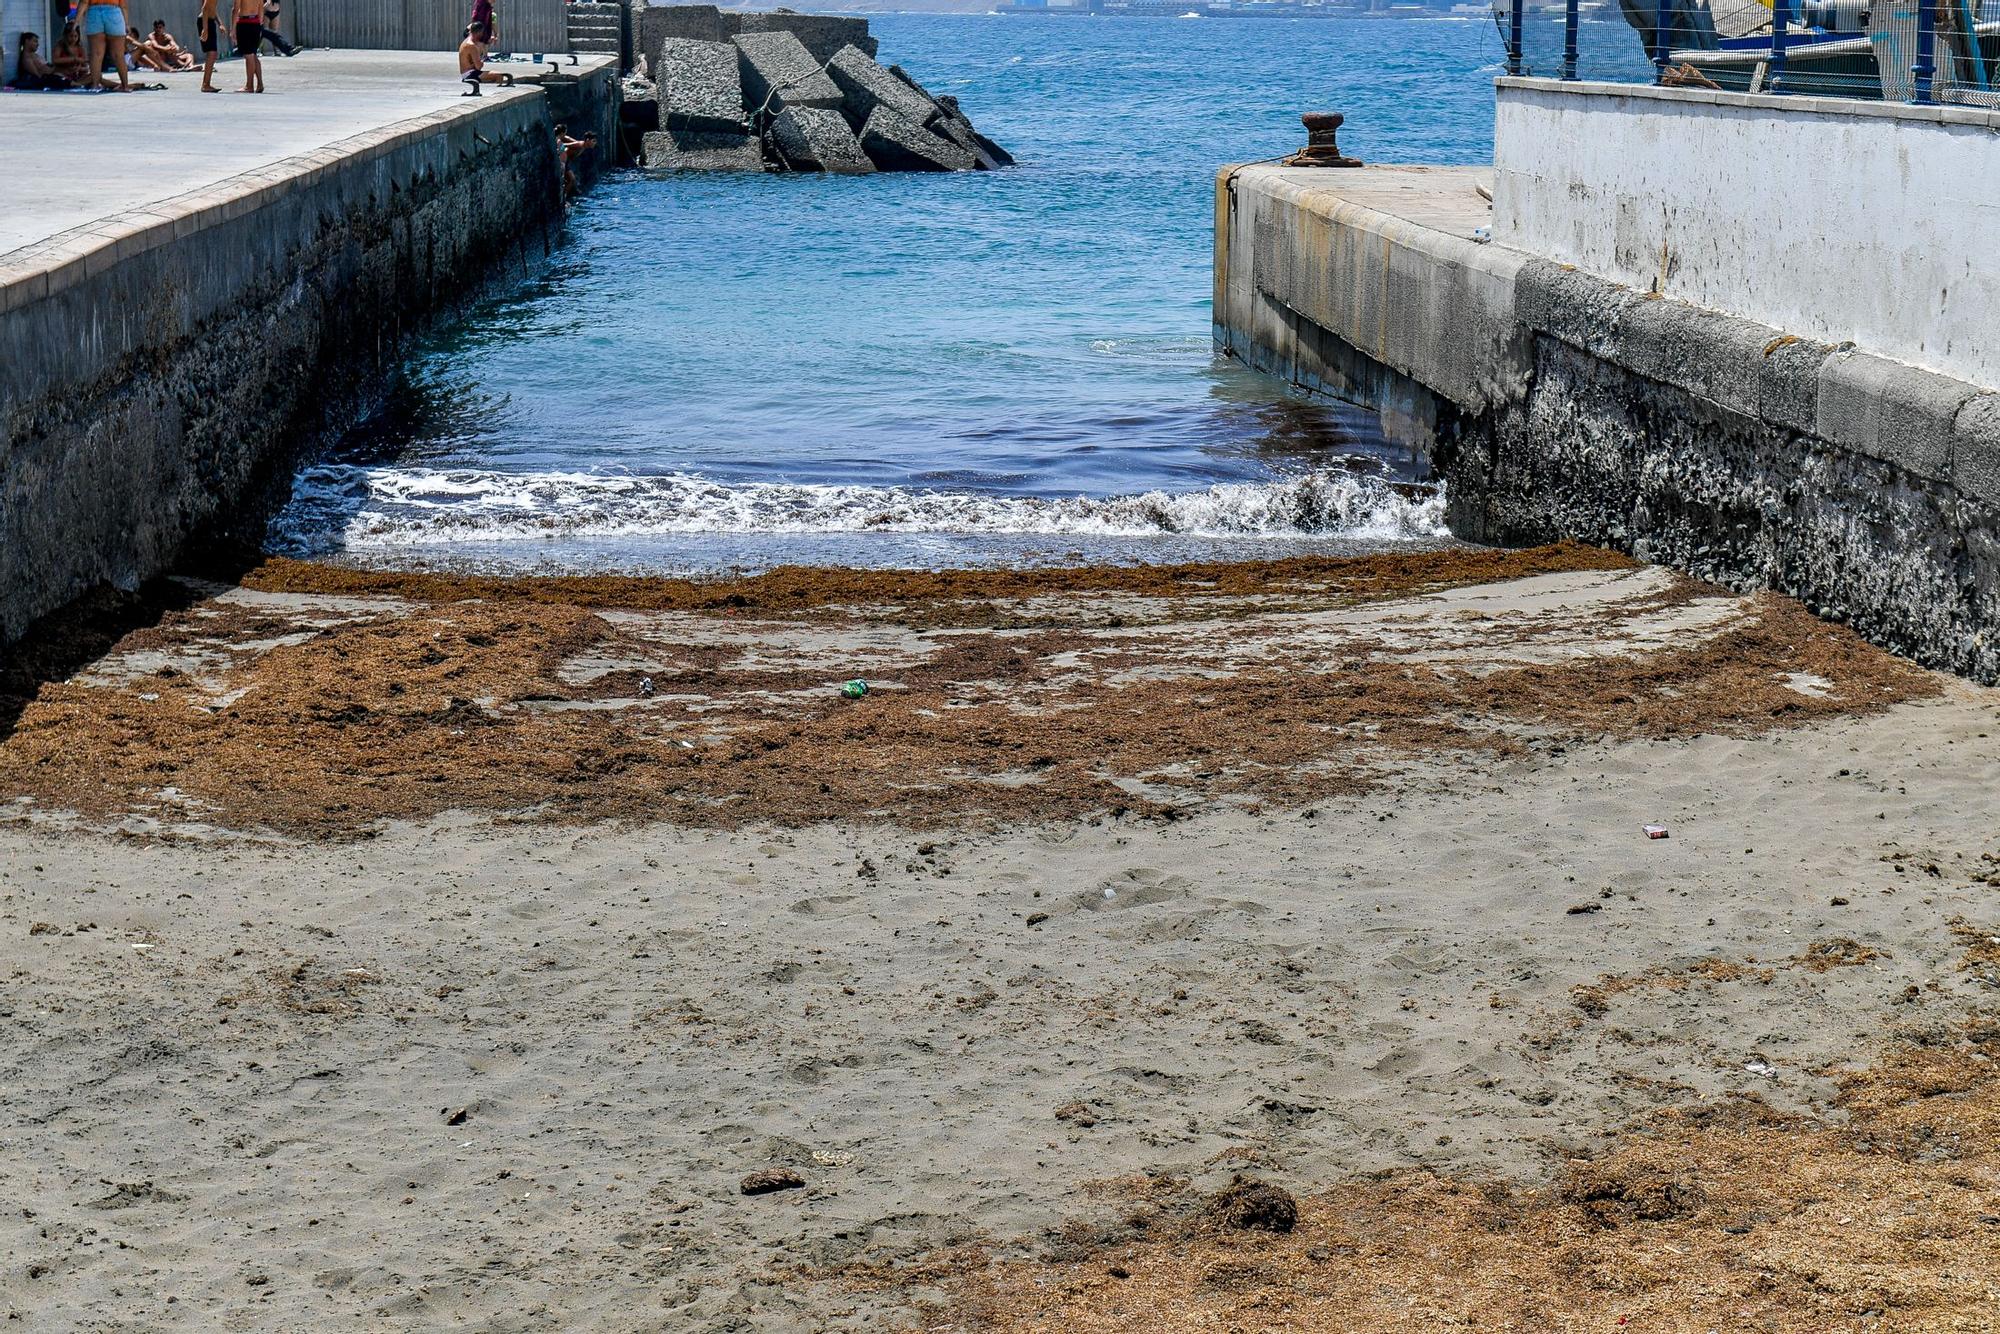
(1014, 365)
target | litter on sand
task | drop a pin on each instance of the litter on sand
(1656, 831)
(855, 689)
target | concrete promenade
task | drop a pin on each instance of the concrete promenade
(75, 158)
(194, 289)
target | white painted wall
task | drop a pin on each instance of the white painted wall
(1875, 223)
(17, 17)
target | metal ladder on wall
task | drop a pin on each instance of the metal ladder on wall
(594, 27)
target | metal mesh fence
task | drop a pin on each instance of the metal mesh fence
(1935, 51)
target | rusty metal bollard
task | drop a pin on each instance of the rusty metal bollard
(1321, 150)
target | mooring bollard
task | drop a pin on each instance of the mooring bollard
(1321, 149)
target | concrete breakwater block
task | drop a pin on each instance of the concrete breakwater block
(896, 144)
(778, 72)
(703, 150)
(961, 133)
(816, 139)
(701, 86)
(958, 127)
(867, 86)
(821, 34)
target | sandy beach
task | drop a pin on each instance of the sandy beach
(405, 952)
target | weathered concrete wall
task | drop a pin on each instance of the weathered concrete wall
(1836, 219)
(161, 370)
(1559, 404)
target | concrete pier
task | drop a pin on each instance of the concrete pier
(1559, 403)
(194, 288)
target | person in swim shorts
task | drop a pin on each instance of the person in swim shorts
(249, 36)
(104, 29)
(208, 32)
(472, 62)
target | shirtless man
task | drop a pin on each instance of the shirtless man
(207, 34)
(249, 36)
(472, 62)
(160, 51)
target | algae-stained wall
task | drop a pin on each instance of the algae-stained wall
(1556, 403)
(275, 304)
(1839, 220)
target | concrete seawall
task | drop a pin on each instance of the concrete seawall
(163, 368)
(1559, 404)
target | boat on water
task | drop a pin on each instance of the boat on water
(1833, 48)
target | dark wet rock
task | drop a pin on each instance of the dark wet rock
(895, 144)
(1249, 1205)
(815, 139)
(701, 86)
(779, 72)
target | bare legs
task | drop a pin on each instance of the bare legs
(99, 42)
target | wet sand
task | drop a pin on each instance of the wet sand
(328, 1007)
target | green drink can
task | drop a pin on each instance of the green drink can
(855, 689)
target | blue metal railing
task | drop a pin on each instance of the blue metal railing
(1920, 51)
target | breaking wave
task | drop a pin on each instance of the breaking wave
(342, 507)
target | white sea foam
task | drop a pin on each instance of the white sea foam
(340, 507)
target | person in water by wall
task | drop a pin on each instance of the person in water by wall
(208, 33)
(249, 36)
(105, 32)
(31, 72)
(571, 149)
(472, 62)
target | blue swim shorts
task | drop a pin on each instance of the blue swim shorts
(106, 19)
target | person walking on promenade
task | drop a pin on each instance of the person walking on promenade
(104, 28)
(249, 36)
(207, 31)
(272, 14)
(482, 17)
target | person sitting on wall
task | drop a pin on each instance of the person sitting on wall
(472, 62)
(71, 61)
(272, 13)
(31, 72)
(158, 50)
